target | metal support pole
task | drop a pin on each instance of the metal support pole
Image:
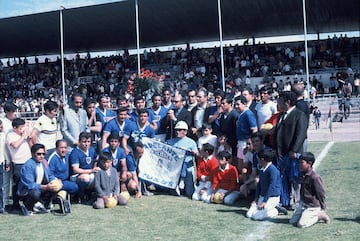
(137, 35)
(306, 50)
(62, 56)
(221, 47)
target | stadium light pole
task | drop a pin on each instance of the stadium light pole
(137, 35)
(62, 55)
(221, 47)
(306, 50)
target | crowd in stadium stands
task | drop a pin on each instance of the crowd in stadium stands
(197, 67)
(240, 143)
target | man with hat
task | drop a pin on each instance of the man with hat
(188, 168)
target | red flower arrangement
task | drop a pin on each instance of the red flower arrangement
(147, 80)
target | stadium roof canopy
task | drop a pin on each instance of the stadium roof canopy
(112, 26)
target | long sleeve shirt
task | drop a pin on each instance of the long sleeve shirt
(107, 185)
(227, 178)
(312, 191)
(206, 168)
(269, 184)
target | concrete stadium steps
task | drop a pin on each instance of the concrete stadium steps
(348, 130)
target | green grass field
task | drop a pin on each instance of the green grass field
(163, 217)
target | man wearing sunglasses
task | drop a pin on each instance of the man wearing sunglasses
(36, 188)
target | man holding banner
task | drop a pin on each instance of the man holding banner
(164, 164)
(189, 145)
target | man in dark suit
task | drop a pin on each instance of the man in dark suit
(251, 103)
(290, 133)
(228, 124)
(179, 113)
(302, 105)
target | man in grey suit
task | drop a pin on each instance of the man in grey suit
(73, 121)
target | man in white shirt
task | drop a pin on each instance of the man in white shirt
(10, 110)
(45, 128)
(19, 149)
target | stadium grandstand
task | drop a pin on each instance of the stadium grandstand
(112, 27)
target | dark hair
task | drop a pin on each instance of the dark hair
(75, 95)
(155, 95)
(190, 90)
(142, 111)
(208, 148)
(229, 100)
(224, 154)
(220, 93)
(137, 98)
(206, 126)
(288, 96)
(104, 156)
(50, 106)
(267, 154)
(89, 101)
(308, 157)
(165, 89)
(138, 144)
(10, 107)
(121, 98)
(36, 147)
(248, 90)
(85, 135)
(242, 99)
(257, 134)
(121, 109)
(57, 143)
(102, 96)
(17, 122)
(113, 135)
(222, 134)
(266, 88)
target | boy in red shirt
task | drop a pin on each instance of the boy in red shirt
(225, 181)
(205, 168)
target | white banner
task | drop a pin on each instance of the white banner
(161, 163)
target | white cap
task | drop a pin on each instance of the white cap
(181, 125)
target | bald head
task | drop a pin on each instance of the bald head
(299, 88)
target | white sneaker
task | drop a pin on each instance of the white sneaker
(39, 208)
(181, 184)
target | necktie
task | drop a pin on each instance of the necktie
(283, 117)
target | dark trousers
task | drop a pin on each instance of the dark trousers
(16, 180)
(2, 205)
(35, 196)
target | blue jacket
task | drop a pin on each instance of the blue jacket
(59, 167)
(28, 177)
(269, 184)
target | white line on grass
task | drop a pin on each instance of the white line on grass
(261, 229)
(322, 155)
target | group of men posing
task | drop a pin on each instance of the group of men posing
(235, 145)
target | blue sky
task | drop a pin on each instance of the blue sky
(11, 8)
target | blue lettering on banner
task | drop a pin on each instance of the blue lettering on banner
(161, 163)
(162, 150)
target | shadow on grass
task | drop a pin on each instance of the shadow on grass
(238, 211)
(356, 220)
(279, 220)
